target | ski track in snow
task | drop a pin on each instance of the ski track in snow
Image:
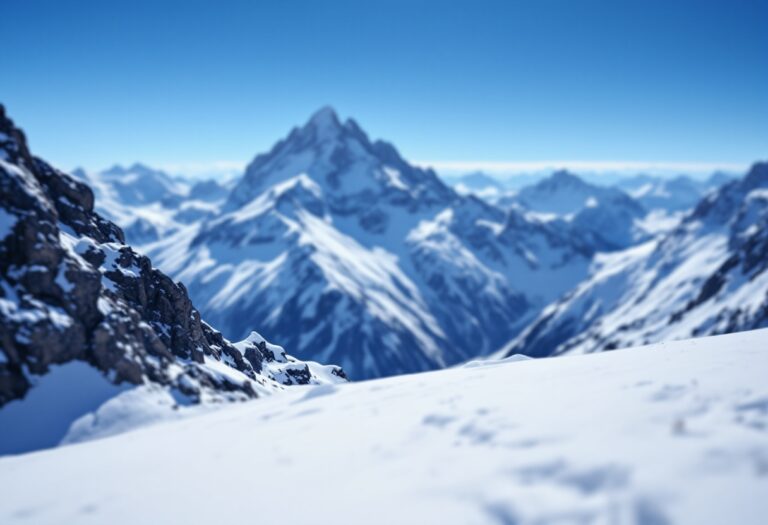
(670, 433)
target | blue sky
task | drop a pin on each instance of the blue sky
(195, 84)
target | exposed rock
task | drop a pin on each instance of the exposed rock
(70, 289)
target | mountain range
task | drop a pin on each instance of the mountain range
(675, 194)
(337, 247)
(654, 192)
(334, 245)
(706, 276)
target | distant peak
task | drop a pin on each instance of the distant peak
(562, 178)
(136, 167)
(324, 117)
(757, 176)
(564, 175)
(115, 169)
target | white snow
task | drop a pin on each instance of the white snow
(658, 222)
(671, 433)
(133, 408)
(494, 362)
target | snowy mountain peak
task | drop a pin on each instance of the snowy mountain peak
(564, 193)
(324, 119)
(480, 179)
(718, 207)
(325, 126)
(339, 248)
(757, 177)
(351, 170)
(563, 178)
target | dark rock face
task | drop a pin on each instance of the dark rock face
(70, 289)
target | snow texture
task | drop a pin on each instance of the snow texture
(668, 434)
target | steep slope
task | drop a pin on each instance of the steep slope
(705, 277)
(334, 245)
(668, 434)
(71, 291)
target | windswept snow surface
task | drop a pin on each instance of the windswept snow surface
(666, 434)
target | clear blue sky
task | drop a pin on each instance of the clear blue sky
(173, 83)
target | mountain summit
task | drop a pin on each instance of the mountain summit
(351, 170)
(341, 249)
(325, 120)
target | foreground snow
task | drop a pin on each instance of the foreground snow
(671, 433)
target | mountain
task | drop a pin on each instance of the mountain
(208, 191)
(718, 178)
(478, 183)
(150, 204)
(670, 194)
(607, 218)
(79, 307)
(707, 276)
(613, 221)
(563, 193)
(672, 433)
(139, 184)
(336, 246)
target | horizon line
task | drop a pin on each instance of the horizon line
(231, 167)
(520, 167)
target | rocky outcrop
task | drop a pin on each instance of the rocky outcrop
(70, 289)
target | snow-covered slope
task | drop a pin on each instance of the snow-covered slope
(338, 248)
(85, 318)
(707, 276)
(668, 434)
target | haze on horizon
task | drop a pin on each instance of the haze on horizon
(198, 87)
